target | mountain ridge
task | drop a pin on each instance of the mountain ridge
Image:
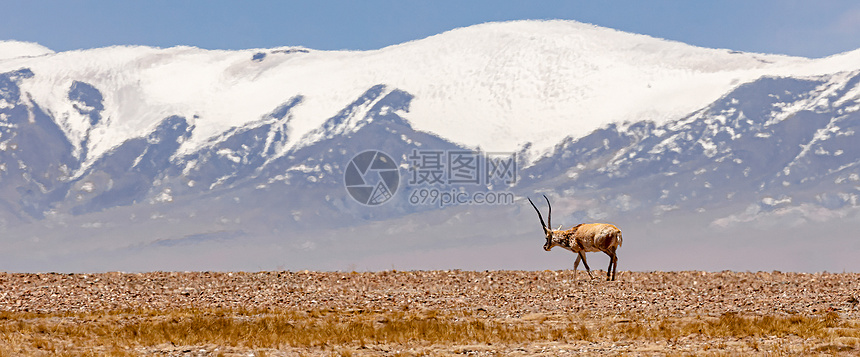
(564, 74)
(767, 143)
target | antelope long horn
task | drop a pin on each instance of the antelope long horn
(539, 215)
(548, 214)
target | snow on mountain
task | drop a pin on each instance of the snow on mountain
(14, 49)
(497, 86)
(774, 146)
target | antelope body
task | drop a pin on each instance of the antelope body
(588, 237)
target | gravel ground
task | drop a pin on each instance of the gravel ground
(500, 295)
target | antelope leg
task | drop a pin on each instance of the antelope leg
(609, 272)
(614, 266)
(585, 262)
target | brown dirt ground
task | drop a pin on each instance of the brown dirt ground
(516, 297)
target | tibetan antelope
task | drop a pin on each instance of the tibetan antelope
(587, 237)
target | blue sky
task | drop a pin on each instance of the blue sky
(805, 28)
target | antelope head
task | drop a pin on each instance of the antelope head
(547, 227)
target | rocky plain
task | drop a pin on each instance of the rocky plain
(544, 312)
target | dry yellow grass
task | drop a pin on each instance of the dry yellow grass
(357, 332)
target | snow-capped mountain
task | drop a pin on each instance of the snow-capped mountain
(775, 141)
(567, 76)
(184, 147)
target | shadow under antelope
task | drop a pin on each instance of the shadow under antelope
(586, 237)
